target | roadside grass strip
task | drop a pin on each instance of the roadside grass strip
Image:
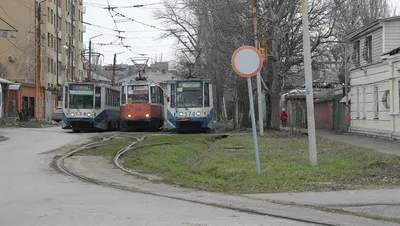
(227, 165)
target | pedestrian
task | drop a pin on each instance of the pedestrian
(284, 117)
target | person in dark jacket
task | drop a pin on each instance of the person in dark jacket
(284, 117)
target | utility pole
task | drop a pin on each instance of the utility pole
(57, 50)
(71, 57)
(259, 97)
(38, 62)
(309, 85)
(69, 70)
(114, 65)
(89, 71)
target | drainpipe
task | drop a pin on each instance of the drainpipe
(392, 71)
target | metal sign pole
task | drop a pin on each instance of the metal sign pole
(253, 125)
(247, 62)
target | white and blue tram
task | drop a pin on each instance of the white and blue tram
(90, 106)
(189, 105)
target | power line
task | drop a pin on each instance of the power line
(133, 20)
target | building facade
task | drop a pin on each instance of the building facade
(375, 78)
(61, 36)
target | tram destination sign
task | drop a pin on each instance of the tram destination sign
(81, 87)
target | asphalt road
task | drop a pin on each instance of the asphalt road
(32, 193)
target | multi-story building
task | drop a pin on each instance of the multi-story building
(61, 28)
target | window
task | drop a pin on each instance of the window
(364, 103)
(173, 95)
(48, 39)
(59, 3)
(59, 23)
(48, 65)
(138, 94)
(356, 53)
(52, 66)
(206, 95)
(52, 41)
(48, 14)
(13, 34)
(59, 45)
(97, 101)
(51, 17)
(66, 97)
(386, 99)
(59, 68)
(123, 95)
(161, 94)
(153, 95)
(368, 49)
(358, 103)
(376, 102)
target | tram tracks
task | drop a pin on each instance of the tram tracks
(117, 162)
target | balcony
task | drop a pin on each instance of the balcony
(59, 10)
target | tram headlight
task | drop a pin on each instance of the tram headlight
(72, 114)
(181, 114)
(129, 115)
(147, 115)
(88, 114)
(198, 113)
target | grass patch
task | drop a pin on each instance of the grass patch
(227, 165)
(108, 148)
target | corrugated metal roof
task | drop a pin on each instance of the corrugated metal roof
(5, 81)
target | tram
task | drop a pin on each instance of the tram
(142, 106)
(189, 106)
(90, 106)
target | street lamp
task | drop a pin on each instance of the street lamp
(89, 75)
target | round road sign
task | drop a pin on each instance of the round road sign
(247, 61)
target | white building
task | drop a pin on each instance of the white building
(375, 77)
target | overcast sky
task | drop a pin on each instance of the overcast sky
(141, 38)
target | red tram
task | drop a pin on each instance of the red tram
(142, 106)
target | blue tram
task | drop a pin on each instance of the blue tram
(90, 106)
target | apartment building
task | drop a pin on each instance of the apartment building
(61, 36)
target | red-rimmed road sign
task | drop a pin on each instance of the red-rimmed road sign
(247, 61)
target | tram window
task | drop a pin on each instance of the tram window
(123, 95)
(66, 97)
(97, 100)
(206, 95)
(153, 94)
(107, 97)
(157, 94)
(161, 95)
(173, 94)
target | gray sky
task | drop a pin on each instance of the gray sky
(141, 38)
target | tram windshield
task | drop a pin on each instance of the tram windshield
(138, 94)
(81, 96)
(189, 95)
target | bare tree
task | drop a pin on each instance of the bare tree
(216, 28)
